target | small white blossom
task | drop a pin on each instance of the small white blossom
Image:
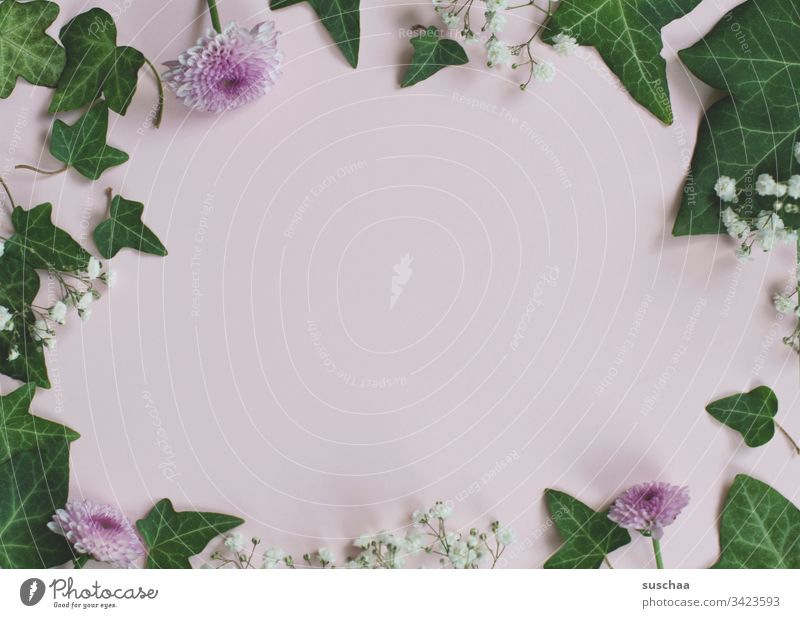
(497, 52)
(725, 189)
(58, 312)
(565, 45)
(793, 187)
(462, 555)
(440, 510)
(111, 278)
(2, 247)
(419, 516)
(363, 541)
(325, 555)
(93, 269)
(769, 229)
(505, 535)
(783, 304)
(450, 19)
(85, 301)
(780, 189)
(797, 151)
(41, 332)
(743, 253)
(544, 72)
(496, 5)
(85, 314)
(13, 354)
(734, 225)
(6, 318)
(273, 557)
(766, 185)
(234, 542)
(495, 21)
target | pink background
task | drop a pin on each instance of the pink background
(553, 333)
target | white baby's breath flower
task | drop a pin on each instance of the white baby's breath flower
(495, 21)
(85, 314)
(498, 53)
(363, 541)
(41, 332)
(93, 268)
(496, 5)
(2, 247)
(765, 185)
(565, 45)
(58, 312)
(450, 19)
(505, 535)
(6, 318)
(769, 229)
(544, 72)
(793, 187)
(734, 225)
(111, 278)
(780, 189)
(273, 557)
(783, 304)
(744, 253)
(797, 152)
(725, 189)
(325, 555)
(85, 300)
(13, 354)
(234, 542)
(440, 510)
(419, 516)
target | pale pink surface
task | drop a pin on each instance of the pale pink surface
(638, 332)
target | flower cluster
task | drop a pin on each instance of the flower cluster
(649, 507)
(457, 15)
(99, 531)
(77, 291)
(427, 535)
(765, 228)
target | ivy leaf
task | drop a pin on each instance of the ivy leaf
(95, 65)
(25, 50)
(588, 536)
(751, 414)
(760, 529)
(19, 284)
(627, 34)
(752, 131)
(83, 144)
(431, 54)
(172, 537)
(33, 484)
(40, 244)
(341, 18)
(124, 228)
(21, 431)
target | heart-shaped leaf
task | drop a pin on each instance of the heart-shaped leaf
(431, 54)
(589, 536)
(751, 414)
(174, 537)
(25, 50)
(33, 484)
(19, 284)
(96, 65)
(83, 144)
(40, 244)
(21, 431)
(752, 131)
(627, 34)
(760, 529)
(341, 18)
(124, 228)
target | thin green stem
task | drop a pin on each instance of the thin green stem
(212, 9)
(657, 552)
(788, 437)
(40, 171)
(160, 86)
(608, 562)
(8, 192)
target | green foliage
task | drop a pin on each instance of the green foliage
(431, 54)
(751, 414)
(124, 228)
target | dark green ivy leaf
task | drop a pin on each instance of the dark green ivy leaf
(751, 414)
(172, 538)
(21, 431)
(96, 65)
(124, 228)
(341, 18)
(83, 144)
(627, 34)
(25, 50)
(760, 529)
(588, 536)
(752, 131)
(33, 484)
(19, 284)
(431, 54)
(40, 244)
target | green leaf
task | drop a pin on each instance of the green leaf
(21, 431)
(760, 529)
(19, 284)
(588, 536)
(40, 244)
(33, 484)
(95, 65)
(751, 414)
(25, 50)
(83, 144)
(172, 537)
(431, 55)
(752, 131)
(124, 228)
(341, 18)
(627, 34)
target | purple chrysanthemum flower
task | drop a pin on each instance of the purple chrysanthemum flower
(226, 69)
(100, 531)
(649, 507)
